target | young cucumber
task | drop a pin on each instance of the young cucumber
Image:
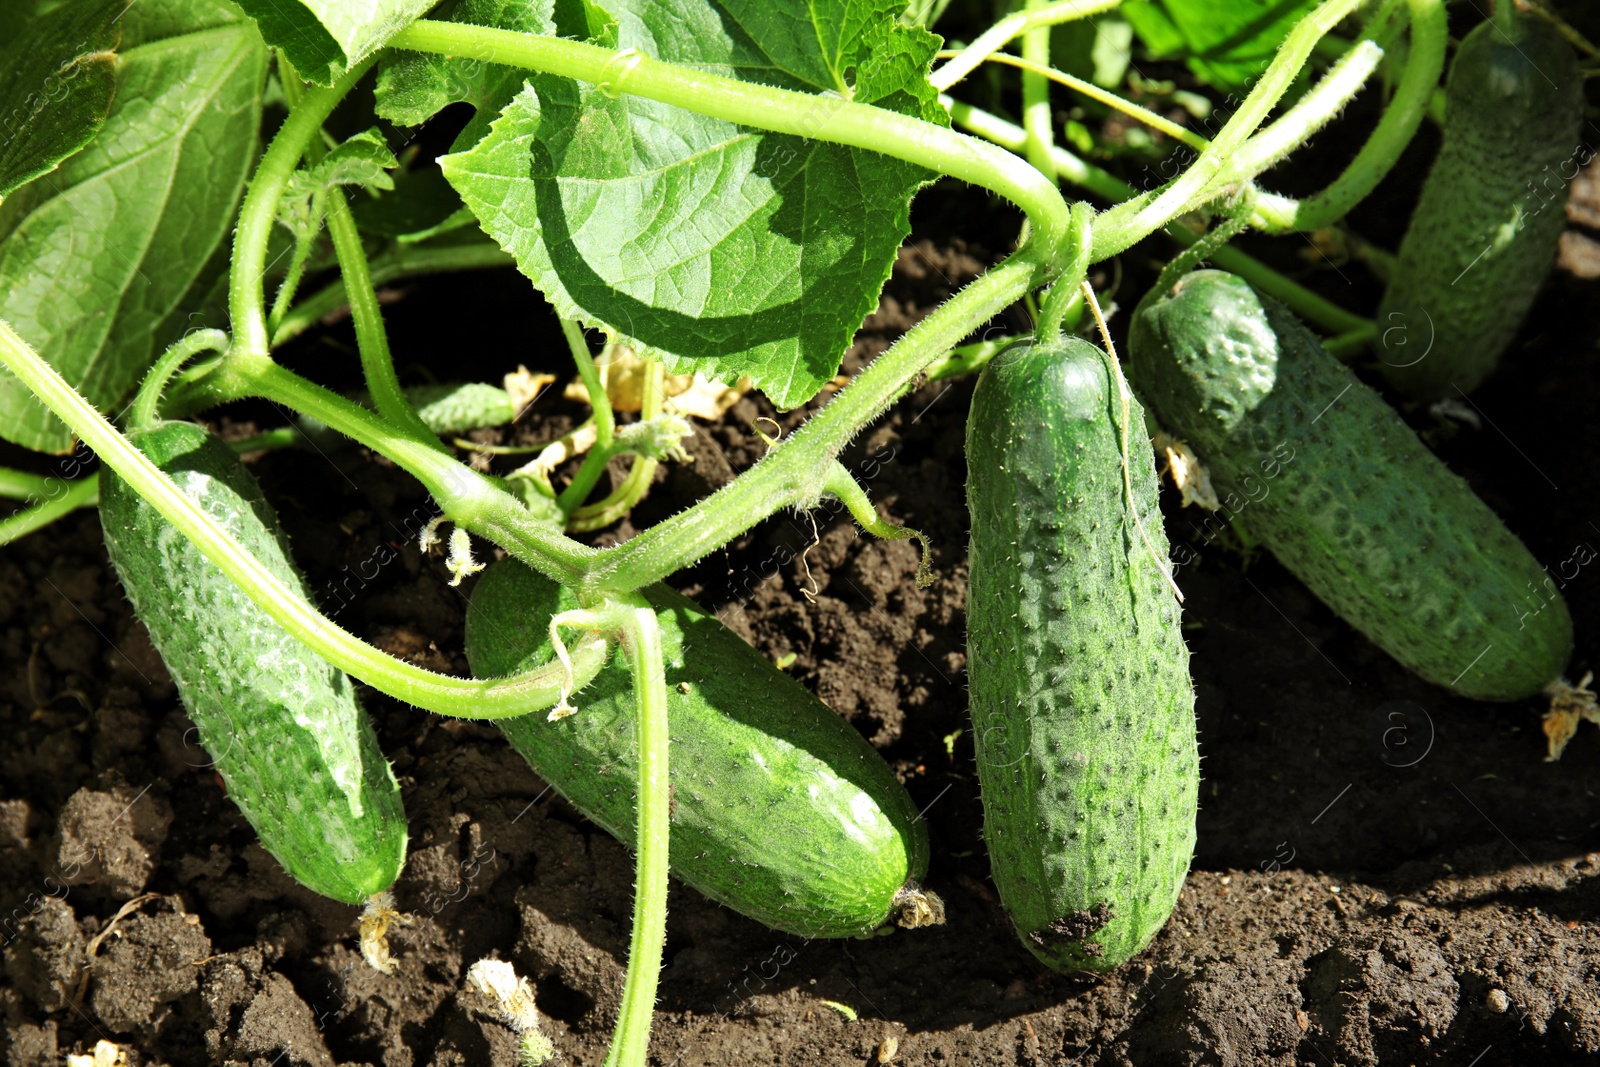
(1082, 708)
(282, 727)
(1344, 494)
(1484, 234)
(780, 809)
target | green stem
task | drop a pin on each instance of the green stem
(795, 470)
(268, 440)
(842, 485)
(1125, 225)
(1347, 346)
(968, 359)
(395, 263)
(296, 272)
(377, 364)
(1036, 94)
(640, 474)
(605, 421)
(641, 636)
(605, 424)
(83, 493)
(20, 485)
(491, 699)
(143, 410)
(467, 497)
(1424, 64)
(819, 117)
(1106, 97)
(1003, 32)
(1065, 293)
(260, 207)
(1311, 307)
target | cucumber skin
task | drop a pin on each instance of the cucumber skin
(1512, 119)
(282, 726)
(1361, 512)
(781, 810)
(1082, 706)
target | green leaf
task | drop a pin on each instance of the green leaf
(362, 160)
(57, 74)
(325, 38)
(1227, 43)
(412, 88)
(715, 247)
(97, 257)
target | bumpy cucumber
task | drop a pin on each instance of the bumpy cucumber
(1082, 708)
(283, 727)
(1485, 231)
(780, 810)
(447, 409)
(1341, 490)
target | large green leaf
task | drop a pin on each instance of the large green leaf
(1226, 42)
(324, 38)
(96, 257)
(57, 74)
(719, 248)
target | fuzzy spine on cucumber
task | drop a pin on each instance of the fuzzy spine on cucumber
(1082, 707)
(781, 810)
(1485, 231)
(1343, 492)
(282, 726)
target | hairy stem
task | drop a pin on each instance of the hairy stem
(468, 698)
(1036, 93)
(816, 116)
(641, 637)
(1313, 308)
(1424, 64)
(1126, 225)
(794, 471)
(1014, 25)
(260, 207)
(142, 412)
(377, 364)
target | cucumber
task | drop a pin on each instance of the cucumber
(1082, 707)
(781, 810)
(454, 408)
(1344, 493)
(282, 727)
(1484, 233)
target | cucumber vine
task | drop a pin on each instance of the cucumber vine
(848, 102)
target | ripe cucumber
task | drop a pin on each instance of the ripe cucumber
(781, 810)
(1485, 231)
(283, 727)
(1344, 494)
(1082, 707)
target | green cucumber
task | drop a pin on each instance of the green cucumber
(1082, 707)
(282, 727)
(454, 408)
(1329, 477)
(1485, 231)
(781, 810)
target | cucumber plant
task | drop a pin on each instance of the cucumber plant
(722, 186)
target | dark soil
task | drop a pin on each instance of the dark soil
(1384, 873)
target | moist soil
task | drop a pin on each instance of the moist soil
(1384, 874)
